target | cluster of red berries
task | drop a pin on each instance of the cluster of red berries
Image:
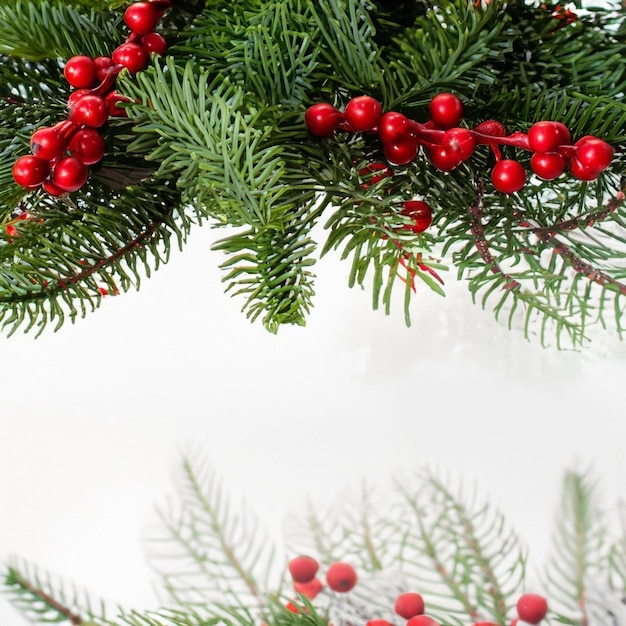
(447, 144)
(410, 606)
(61, 154)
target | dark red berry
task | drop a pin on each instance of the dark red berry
(363, 113)
(142, 17)
(532, 608)
(402, 151)
(545, 137)
(303, 568)
(30, 171)
(460, 142)
(154, 43)
(104, 65)
(322, 119)
(508, 176)
(90, 110)
(446, 110)
(132, 56)
(493, 128)
(80, 71)
(548, 165)
(310, 589)
(422, 217)
(392, 127)
(341, 577)
(409, 604)
(69, 174)
(112, 99)
(48, 143)
(593, 153)
(52, 189)
(87, 145)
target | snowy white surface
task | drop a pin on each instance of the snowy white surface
(93, 417)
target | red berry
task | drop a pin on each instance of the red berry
(322, 119)
(532, 608)
(459, 141)
(81, 71)
(90, 110)
(374, 173)
(132, 56)
(593, 153)
(409, 604)
(444, 159)
(290, 606)
(402, 151)
(52, 189)
(422, 217)
(341, 577)
(112, 99)
(142, 17)
(508, 176)
(310, 589)
(581, 172)
(154, 43)
(104, 66)
(77, 95)
(87, 145)
(363, 113)
(392, 127)
(493, 128)
(30, 171)
(548, 165)
(545, 137)
(446, 110)
(69, 174)
(378, 622)
(303, 568)
(422, 620)
(48, 143)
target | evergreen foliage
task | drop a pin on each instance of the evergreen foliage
(216, 135)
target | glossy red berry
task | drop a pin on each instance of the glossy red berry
(409, 604)
(30, 171)
(593, 153)
(422, 620)
(508, 176)
(142, 17)
(322, 119)
(104, 65)
(87, 145)
(303, 568)
(77, 95)
(80, 71)
(548, 165)
(532, 608)
(48, 143)
(446, 110)
(444, 159)
(154, 43)
(460, 142)
(393, 126)
(545, 137)
(402, 151)
(132, 56)
(581, 172)
(69, 174)
(52, 189)
(422, 217)
(113, 99)
(363, 113)
(341, 577)
(310, 589)
(90, 110)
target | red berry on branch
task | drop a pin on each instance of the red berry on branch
(401, 151)
(593, 153)
(310, 589)
(154, 43)
(104, 66)
(30, 171)
(443, 158)
(69, 174)
(77, 95)
(87, 145)
(341, 577)
(48, 143)
(374, 173)
(422, 217)
(547, 136)
(363, 113)
(132, 56)
(508, 176)
(378, 622)
(322, 119)
(112, 99)
(409, 604)
(460, 142)
(393, 126)
(532, 608)
(303, 568)
(52, 189)
(493, 128)
(581, 172)
(142, 17)
(80, 71)
(446, 110)
(422, 620)
(548, 165)
(91, 110)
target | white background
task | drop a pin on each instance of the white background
(94, 416)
